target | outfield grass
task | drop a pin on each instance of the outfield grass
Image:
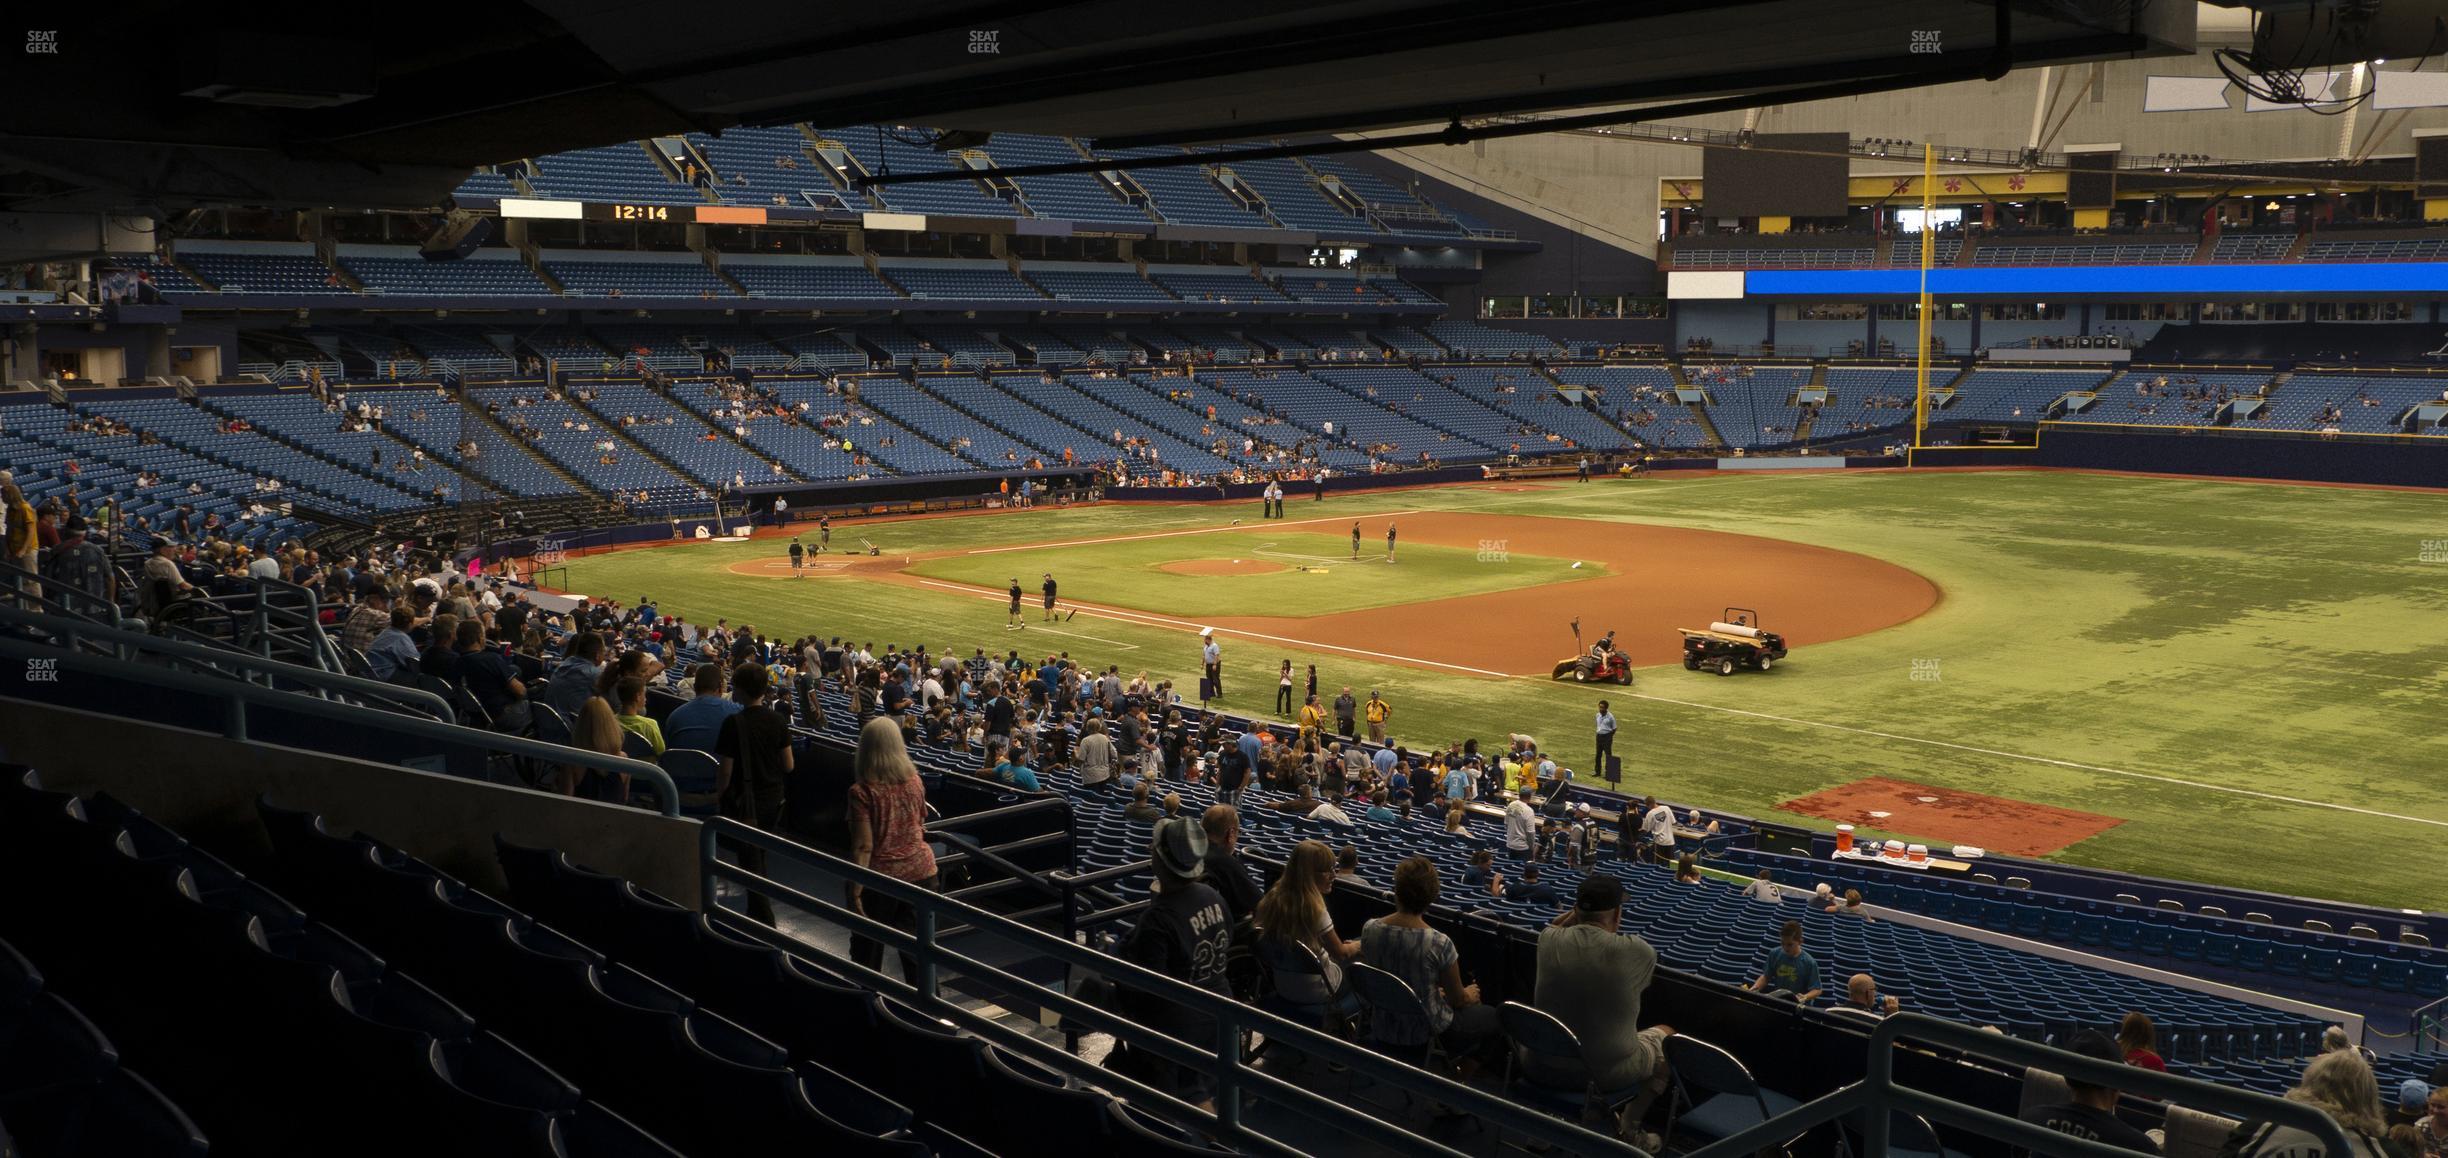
(1129, 574)
(2250, 676)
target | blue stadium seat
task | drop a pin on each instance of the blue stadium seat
(1715, 1095)
(131, 1117)
(1537, 1034)
(941, 1071)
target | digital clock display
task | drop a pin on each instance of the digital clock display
(630, 212)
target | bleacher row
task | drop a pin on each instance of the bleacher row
(809, 167)
(420, 447)
(232, 270)
(2275, 952)
(2304, 401)
(462, 353)
(678, 448)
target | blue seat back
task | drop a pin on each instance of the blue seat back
(1702, 1066)
(1397, 1016)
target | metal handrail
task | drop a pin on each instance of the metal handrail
(288, 621)
(239, 695)
(1221, 1058)
(1873, 1098)
(17, 583)
(221, 657)
(2429, 1024)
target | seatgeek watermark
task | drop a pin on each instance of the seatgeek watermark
(41, 42)
(42, 671)
(2433, 551)
(1925, 42)
(1495, 550)
(1924, 671)
(985, 42)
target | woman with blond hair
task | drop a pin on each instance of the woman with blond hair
(2339, 1084)
(597, 729)
(888, 834)
(1292, 918)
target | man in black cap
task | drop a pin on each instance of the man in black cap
(1591, 976)
(2090, 1111)
(1014, 619)
(1185, 934)
(1049, 596)
(79, 562)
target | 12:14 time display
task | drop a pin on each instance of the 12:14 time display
(631, 212)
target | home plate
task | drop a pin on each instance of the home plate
(1881, 815)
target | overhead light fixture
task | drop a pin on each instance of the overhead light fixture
(2272, 207)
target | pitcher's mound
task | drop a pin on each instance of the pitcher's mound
(2012, 827)
(1219, 567)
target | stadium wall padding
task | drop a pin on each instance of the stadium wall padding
(2399, 462)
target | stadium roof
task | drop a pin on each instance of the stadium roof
(150, 104)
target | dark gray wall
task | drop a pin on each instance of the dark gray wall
(1567, 261)
(205, 786)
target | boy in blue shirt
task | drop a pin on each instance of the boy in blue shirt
(1379, 812)
(1014, 770)
(1790, 968)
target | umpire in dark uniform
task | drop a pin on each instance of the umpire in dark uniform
(1606, 738)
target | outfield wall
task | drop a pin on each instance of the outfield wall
(2375, 462)
(2398, 462)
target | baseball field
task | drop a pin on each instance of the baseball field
(2216, 681)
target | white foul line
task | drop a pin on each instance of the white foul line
(1094, 638)
(1142, 619)
(2076, 765)
(1199, 531)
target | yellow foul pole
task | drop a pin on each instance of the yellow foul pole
(1929, 202)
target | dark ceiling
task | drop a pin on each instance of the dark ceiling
(390, 108)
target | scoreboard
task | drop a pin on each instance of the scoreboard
(633, 212)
